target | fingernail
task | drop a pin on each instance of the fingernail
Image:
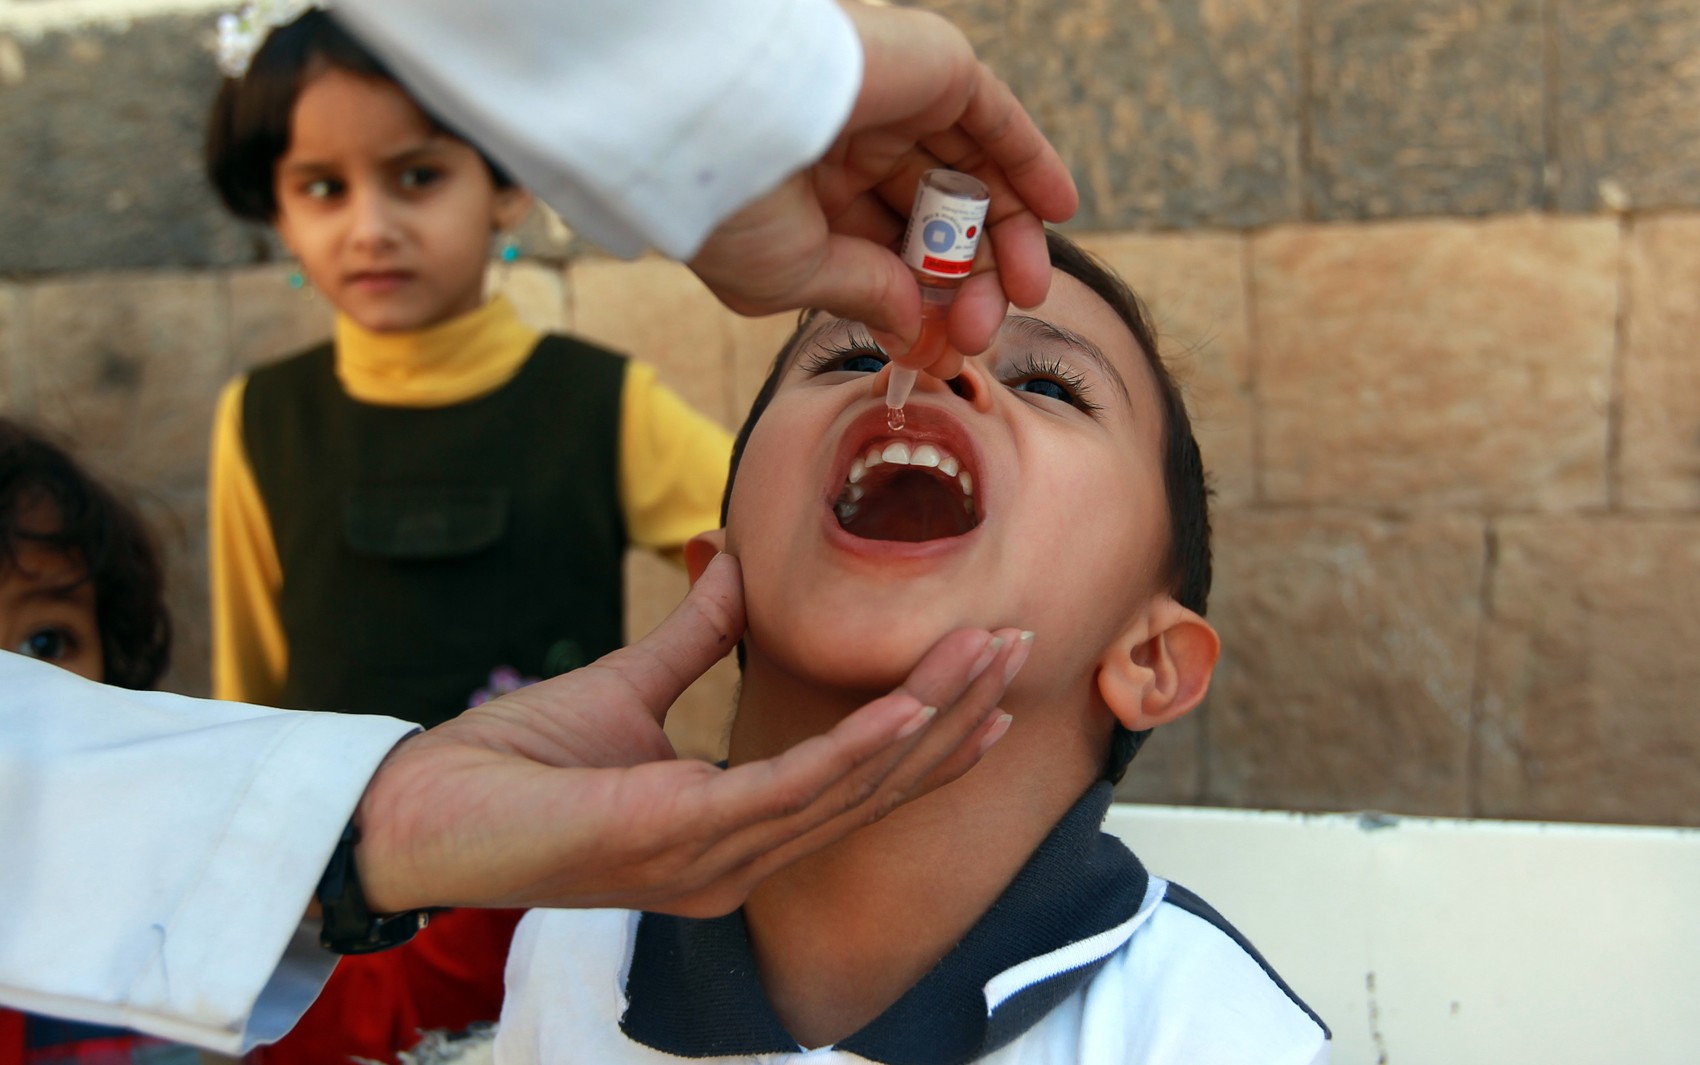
(890, 343)
(1018, 657)
(996, 732)
(989, 652)
(917, 722)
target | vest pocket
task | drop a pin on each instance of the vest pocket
(426, 522)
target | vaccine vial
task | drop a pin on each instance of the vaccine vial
(944, 232)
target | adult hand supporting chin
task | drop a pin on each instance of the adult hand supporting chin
(568, 794)
(824, 237)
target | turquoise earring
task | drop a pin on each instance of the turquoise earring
(297, 280)
(508, 249)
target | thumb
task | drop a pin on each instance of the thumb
(700, 631)
(863, 282)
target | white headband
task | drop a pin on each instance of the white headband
(240, 35)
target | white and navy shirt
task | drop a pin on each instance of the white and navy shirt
(1084, 960)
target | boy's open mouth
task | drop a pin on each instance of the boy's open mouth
(907, 490)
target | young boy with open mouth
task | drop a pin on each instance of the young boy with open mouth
(1053, 490)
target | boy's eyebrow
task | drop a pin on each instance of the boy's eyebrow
(1039, 329)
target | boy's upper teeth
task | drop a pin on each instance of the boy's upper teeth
(900, 453)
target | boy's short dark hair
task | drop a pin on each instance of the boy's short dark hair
(1187, 565)
(102, 533)
(248, 130)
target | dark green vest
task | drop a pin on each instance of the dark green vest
(421, 548)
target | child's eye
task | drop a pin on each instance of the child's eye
(857, 358)
(322, 189)
(420, 177)
(1051, 379)
(49, 645)
(1044, 386)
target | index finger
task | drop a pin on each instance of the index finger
(838, 778)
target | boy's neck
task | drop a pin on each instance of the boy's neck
(841, 934)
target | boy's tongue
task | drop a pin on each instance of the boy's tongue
(908, 505)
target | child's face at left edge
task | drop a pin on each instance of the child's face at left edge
(1060, 528)
(47, 609)
(390, 217)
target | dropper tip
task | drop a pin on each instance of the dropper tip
(897, 390)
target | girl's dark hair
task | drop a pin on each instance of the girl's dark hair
(105, 535)
(1187, 567)
(248, 130)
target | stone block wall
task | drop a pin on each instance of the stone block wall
(1430, 270)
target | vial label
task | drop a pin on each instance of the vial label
(944, 231)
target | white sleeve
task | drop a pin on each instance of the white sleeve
(157, 852)
(644, 123)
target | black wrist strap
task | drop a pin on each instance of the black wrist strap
(350, 927)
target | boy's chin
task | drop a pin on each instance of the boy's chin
(873, 660)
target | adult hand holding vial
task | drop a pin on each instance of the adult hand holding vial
(944, 233)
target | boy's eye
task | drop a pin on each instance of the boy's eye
(419, 177)
(49, 645)
(322, 188)
(858, 359)
(863, 362)
(1054, 381)
(1044, 386)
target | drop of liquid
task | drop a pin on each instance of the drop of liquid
(894, 418)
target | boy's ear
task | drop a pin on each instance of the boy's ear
(512, 205)
(701, 549)
(1160, 666)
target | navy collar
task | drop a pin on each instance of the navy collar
(693, 991)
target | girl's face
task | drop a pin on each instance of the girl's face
(390, 217)
(47, 610)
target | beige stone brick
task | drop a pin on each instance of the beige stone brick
(1195, 287)
(1170, 767)
(12, 352)
(1590, 671)
(537, 291)
(178, 521)
(698, 722)
(1171, 113)
(1624, 96)
(1660, 456)
(269, 319)
(1349, 644)
(1437, 364)
(659, 312)
(755, 342)
(1425, 107)
(128, 366)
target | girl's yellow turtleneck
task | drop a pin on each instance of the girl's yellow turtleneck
(672, 469)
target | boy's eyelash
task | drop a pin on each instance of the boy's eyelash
(826, 360)
(1032, 366)
(1028, 367)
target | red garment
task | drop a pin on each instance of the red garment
(11, 1037)
(377, 1005)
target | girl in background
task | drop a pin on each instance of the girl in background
(440, 495)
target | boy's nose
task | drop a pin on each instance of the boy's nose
(972, 385)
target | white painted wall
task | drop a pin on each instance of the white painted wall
(1425, 941)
